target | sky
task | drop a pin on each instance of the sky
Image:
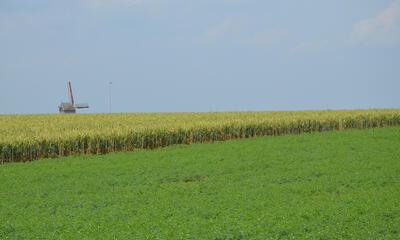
(203, 55)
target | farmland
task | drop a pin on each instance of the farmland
(28, 137)
(331, 185)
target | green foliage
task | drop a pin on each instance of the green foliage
(334, 185)
(28, 137)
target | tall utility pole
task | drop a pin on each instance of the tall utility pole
(109, 95)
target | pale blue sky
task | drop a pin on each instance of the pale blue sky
(204, 55)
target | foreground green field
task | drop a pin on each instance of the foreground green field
(333, 185)
(29, 137)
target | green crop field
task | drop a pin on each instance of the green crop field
(29, 137)
(331, 185)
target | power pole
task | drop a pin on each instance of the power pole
(109, 95)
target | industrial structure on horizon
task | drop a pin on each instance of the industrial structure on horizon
(70, 107)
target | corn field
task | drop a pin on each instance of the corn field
(28, 137)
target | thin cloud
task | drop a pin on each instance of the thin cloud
(228, 28)
(111, 3)
(237, 30)
(384, 28)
